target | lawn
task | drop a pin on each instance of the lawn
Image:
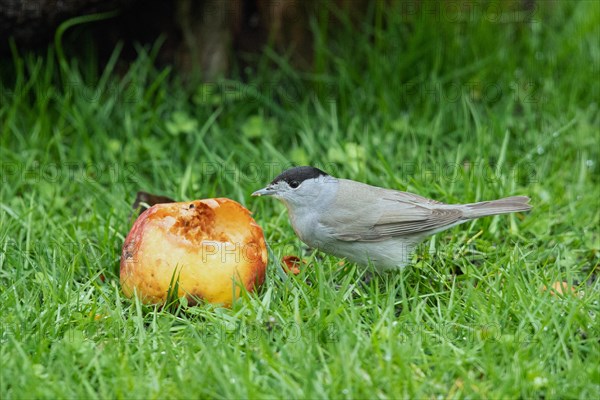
(459, 107)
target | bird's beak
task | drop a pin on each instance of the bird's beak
(264, 192)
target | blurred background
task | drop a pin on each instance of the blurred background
(424, 91)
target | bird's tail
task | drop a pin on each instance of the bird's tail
(494, 207)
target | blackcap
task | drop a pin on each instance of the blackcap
(367, 224)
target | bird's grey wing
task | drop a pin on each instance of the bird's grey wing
(388, 214)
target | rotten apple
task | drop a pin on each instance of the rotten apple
(211, 248)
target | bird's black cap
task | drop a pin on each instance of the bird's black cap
(299, 175)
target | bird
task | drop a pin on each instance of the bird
(370, 225)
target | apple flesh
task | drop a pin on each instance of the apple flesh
(211, 247)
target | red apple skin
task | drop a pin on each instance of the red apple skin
(213, 245)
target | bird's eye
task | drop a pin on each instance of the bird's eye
(294, 184)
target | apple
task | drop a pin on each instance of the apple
(211, 247)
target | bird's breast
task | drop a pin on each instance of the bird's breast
(305, 225)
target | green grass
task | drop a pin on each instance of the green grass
(457, 111)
